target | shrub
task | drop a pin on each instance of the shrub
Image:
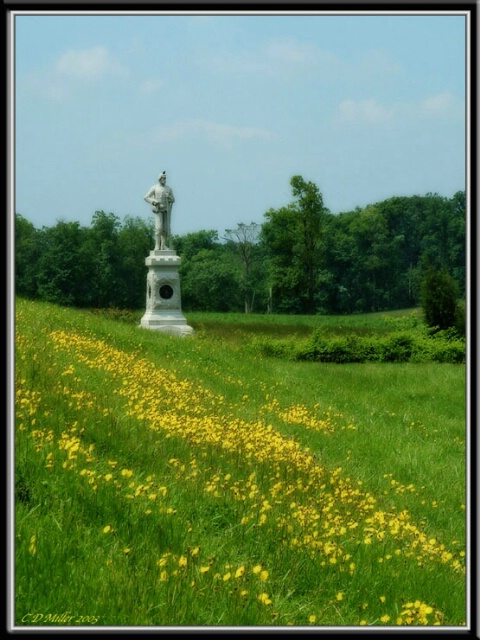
(272, 348)
(397, 348)
(439, 298)
(419, 345)
(448, 346)
(321, 348)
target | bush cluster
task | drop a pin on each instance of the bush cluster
(400, 346)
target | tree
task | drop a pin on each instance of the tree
(103, 242)
(457, 240)
(340, 284)
(211, 282)
(27, 253)
(371, 256)
(439, 299)
(244, 240)
(209, 278)
(65, 267)
(292, 236)
(404, 220)
(190, 244)
(311, 261)
(375, 257)
(134, 244)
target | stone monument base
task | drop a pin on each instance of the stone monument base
(163, 312)
(174, 324)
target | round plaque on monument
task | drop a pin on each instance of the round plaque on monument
(166, 291)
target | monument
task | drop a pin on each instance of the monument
(163, 308)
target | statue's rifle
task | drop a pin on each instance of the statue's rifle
(167, 205)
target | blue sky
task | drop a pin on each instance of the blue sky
(231, 107)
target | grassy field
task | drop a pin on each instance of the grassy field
(240, 327)
(169, 482)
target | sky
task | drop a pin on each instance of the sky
(366, 106)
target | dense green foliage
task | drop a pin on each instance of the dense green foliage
(99, 266)
(293, 237)
(401, 346)
(301, 260)
(439, 297)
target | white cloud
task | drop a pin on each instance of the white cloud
(377, 64)
(215, 132)
(88, 64)
(275, 57)
(371, 112)
(291, 52)
(151, 86)
(442, 103)
(364, 111)
(290, 57)
(73, 68)
(239, 62)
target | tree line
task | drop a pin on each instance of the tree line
(301, 260)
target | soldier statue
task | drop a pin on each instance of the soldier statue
(160, 196)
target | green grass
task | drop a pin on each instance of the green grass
(240, 327)
(216, 444)
(236, 326)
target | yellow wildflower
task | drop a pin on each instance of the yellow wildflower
(263, 597)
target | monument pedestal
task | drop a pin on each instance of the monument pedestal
(164, 309)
